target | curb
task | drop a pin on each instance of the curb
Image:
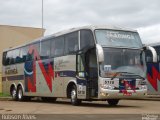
(5, 98)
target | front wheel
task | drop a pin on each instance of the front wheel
(74, 100)
(113, 102)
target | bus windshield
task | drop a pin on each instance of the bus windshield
(118, 60)
(115, 38)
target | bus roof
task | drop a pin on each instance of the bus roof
(91, 27)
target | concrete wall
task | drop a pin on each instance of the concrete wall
(11, 36)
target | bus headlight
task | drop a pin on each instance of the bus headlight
(108, 87)
(142, 82)
(143, 87)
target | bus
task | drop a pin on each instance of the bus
(83, 64)
(153, 71)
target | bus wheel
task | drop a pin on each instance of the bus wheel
(74, 100)
(20, 96)
(113, 102)
(13, 93)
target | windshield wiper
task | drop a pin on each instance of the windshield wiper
(117, 73)
(139, 76)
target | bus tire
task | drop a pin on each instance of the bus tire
(20, 96)
(113, 102)
(14, 93)
(74, 100)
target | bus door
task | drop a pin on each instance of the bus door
(92, 73)
(87, 75)
(81, 76)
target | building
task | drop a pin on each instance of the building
(11, 36)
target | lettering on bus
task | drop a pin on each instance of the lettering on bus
(60, 64)
(118, 35)
(9, 70)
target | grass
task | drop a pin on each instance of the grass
(4, 95)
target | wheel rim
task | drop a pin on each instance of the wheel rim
(20, 94)
(73, 95)
(13, 93)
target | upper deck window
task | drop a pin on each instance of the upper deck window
(116, 38)
(71, 42)
(57, 46)
(86, 39)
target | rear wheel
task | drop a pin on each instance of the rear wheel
(113, 102)
(20, 96)
(74, 100)
(19, 93)
(13, 93)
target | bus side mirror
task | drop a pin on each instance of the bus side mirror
(100, 53)
(153, 51)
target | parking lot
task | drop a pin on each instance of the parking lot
(126, 109)
(64, 107)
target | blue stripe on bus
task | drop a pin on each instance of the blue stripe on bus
(149, 68)
(81, 82)
(67, 73)
(16, 77)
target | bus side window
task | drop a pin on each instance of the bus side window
(158, 52)
(45, 49)
(148, 56)
(80, 66)
(57, 46)
(10, 57)
(36, 49)
(86, 39)
(5, 62)
(23, 53)
(71, 43)
(16, 55)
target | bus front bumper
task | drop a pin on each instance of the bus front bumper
(127, 94)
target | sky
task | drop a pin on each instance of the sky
(142, 15)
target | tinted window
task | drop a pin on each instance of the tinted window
(35, 50)
(158, 52)
(10, 59)
(45, 49)
(57, 46)
(24, 52)
(149, 57)
(71, 42)
(4, 58)
(86, 39)
(16, 56)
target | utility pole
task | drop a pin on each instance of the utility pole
(42, 20)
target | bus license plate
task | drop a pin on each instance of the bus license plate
(127, 94)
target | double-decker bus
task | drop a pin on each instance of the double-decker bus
(153, 71)
(86, 63)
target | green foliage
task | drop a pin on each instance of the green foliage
(4, 95)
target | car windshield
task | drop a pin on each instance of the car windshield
(126, 61)
(115, 38)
